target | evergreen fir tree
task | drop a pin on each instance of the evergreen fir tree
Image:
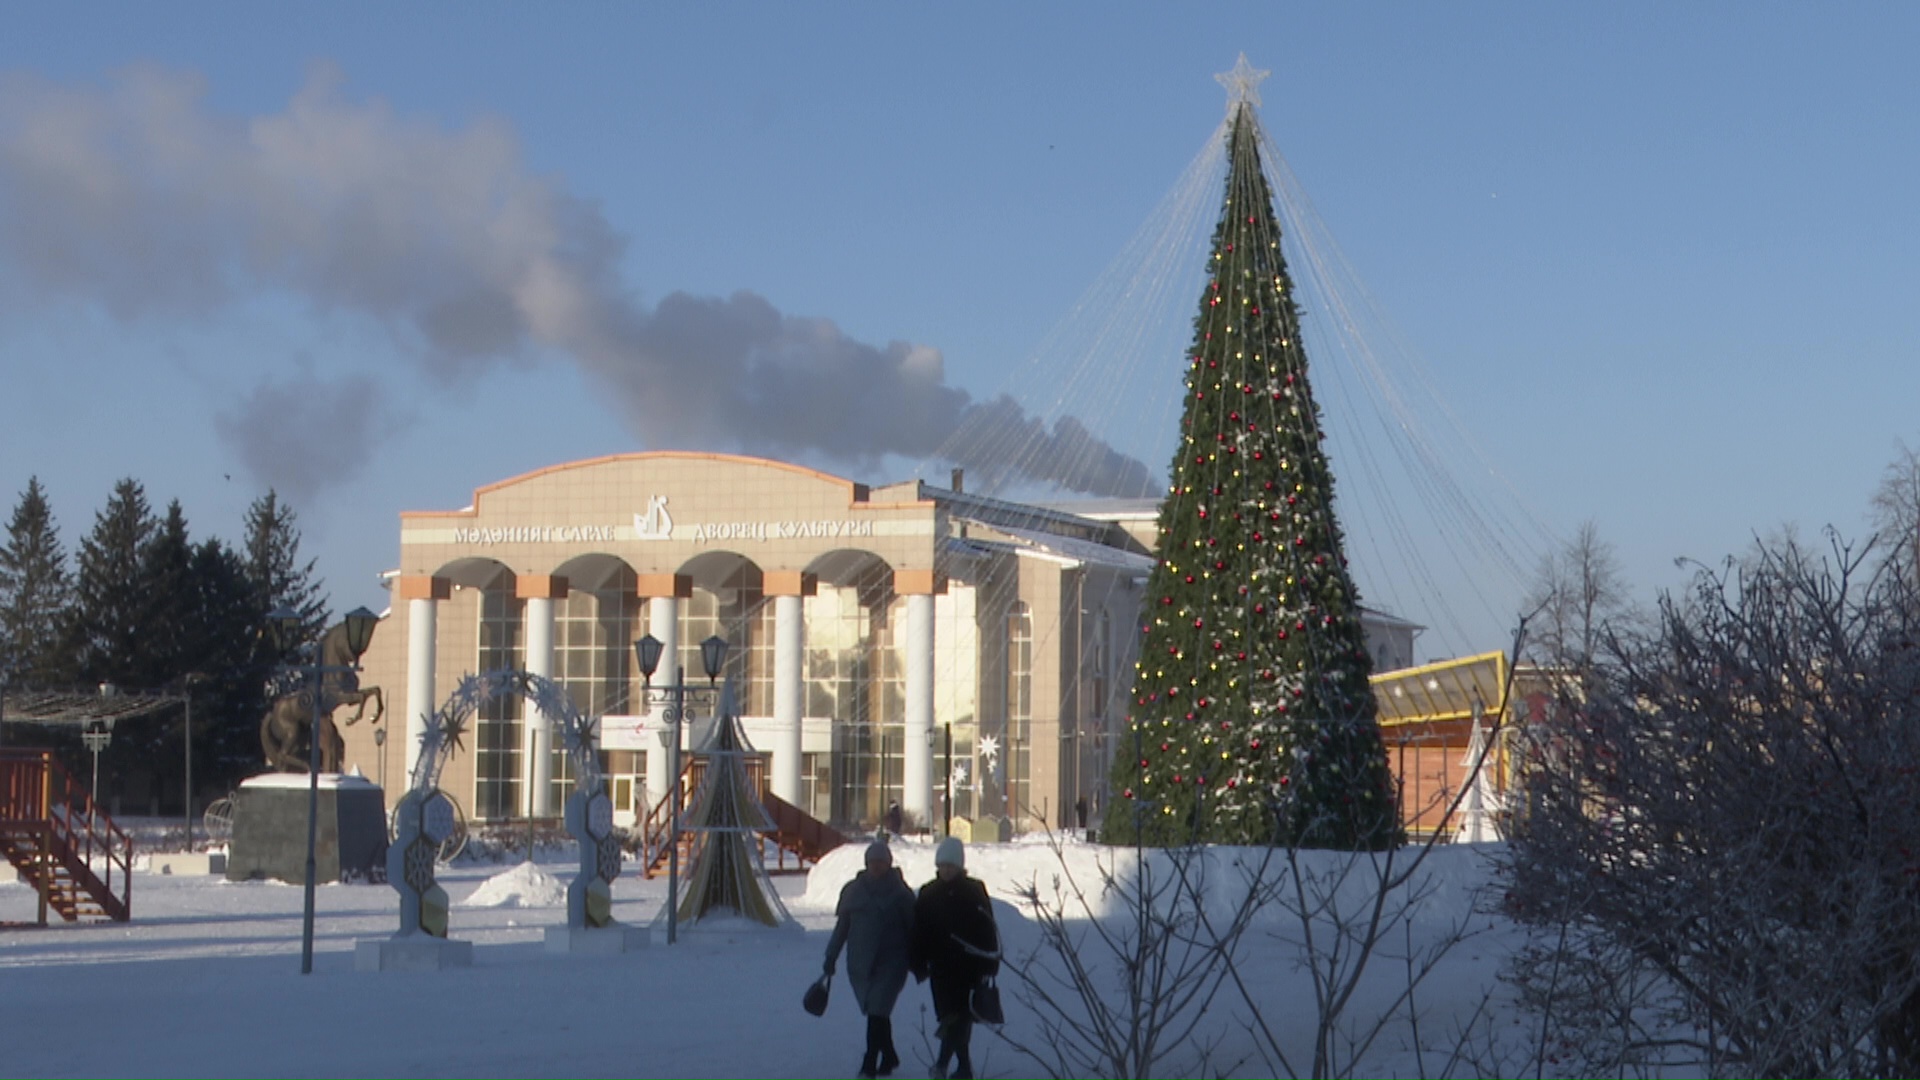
(1253, 721)
(167, 575)
(229, 697)
(110, 604)
(35, 592)
(275, 573)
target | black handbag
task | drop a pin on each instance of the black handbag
(986, 1003)
(815, 1000)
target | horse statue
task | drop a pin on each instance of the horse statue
(291, 713)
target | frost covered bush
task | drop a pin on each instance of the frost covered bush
(1717, 840)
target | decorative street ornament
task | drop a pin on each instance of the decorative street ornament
(425, 816)
(1242, 83)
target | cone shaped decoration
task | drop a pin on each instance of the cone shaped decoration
(1252, 720)
(729, 874)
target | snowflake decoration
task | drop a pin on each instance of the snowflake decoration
(960, 775)
(990, 748)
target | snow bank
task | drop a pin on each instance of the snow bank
(1089, 880)
(524, 886)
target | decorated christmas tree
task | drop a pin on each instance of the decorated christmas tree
(1252, 718)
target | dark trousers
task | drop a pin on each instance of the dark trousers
(881, 1056)
(953, 1007)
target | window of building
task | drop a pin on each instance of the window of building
(1019, 749)
(498, 727)
(593, 661)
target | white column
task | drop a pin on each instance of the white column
(536, 738)
(663, 622)
(421, 635)
(789, 695)
(916, 781)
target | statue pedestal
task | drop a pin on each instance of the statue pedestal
(597, 940)
(270, 830)
(411, 952)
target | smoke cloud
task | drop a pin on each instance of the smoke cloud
(139, 198)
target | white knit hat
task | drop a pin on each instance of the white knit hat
(950, 853)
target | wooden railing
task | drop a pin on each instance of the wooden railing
(794, 831)
(80, 862)
(799, 832)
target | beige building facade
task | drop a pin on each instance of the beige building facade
(956, 654)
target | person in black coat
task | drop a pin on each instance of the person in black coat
(957, 946)
(875, 924)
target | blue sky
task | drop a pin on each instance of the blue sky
(1660, 258)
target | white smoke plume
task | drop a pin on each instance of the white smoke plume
(140, 198)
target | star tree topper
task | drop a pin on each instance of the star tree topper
(1242, 83)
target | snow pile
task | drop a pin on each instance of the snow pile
(524, 886)
(1447, 884)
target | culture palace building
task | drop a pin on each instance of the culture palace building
(957, 654)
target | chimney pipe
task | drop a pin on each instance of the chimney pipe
(959, 480)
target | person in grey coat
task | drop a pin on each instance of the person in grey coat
(875, 925)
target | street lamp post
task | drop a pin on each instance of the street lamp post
(713, 656)
(96, 735)
(380, 748)
(192, 680)
(288, 628)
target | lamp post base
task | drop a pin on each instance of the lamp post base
(411, 952)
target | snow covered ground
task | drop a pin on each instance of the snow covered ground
(205, 981)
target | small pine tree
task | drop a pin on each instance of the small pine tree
(1253, 720)
(35, 592)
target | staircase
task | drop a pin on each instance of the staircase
(75, 858)
(795, 831)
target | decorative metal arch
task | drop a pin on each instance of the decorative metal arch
(448, 725)
(424, 815)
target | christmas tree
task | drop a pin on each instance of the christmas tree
(1252, 719)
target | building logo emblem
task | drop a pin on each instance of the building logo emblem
(656, 523)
